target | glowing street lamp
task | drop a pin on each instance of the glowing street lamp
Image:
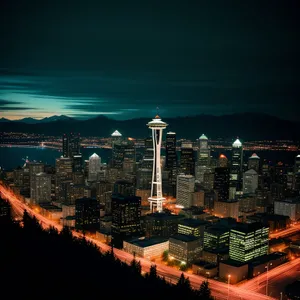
(228, 286)
(267, 284)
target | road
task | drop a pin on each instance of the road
(284, 233)
(276, 279)
(220, 290)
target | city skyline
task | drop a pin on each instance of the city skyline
(87, 60)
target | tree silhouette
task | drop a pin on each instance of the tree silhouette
(183, 283)
(153, 272)
(204, 291)
(136, 267)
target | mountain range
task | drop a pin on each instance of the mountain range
(247, 126)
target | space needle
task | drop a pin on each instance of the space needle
(156, 198)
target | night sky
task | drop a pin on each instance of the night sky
(123, 58)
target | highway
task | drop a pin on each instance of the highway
(276, 279)
(284, 233)
(220, 290)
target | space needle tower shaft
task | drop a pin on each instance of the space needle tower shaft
(156, 197)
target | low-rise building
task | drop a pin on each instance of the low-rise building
(149, 248)
(185, 248)
(205, 269)
(232, 271)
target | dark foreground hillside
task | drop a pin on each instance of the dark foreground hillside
(39, 264)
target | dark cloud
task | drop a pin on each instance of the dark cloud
(186, 58)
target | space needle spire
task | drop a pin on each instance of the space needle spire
(156, 197)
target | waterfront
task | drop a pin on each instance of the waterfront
(12, 157)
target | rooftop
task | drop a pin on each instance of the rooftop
(193, 222)
(184, 238)
(248, 227)
(95, 155)
(237, 144)
(203, 137)
(116, 133)
(254, 156)
(147, 242)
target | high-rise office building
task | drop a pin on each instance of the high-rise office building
(248, 241)
(156, 199)
(71, 144)
(221, 183)
(64, 174)
(77, 163)
(123, 151)
(87, 214)
(227, 209)
(126, 218)
(297, 164)
(250, 181)
(203, 158)
(185, 190)
(40, 188)
(124, 187)
(187, 159)
(94, 167)
(171, 162)
(254, 163)
(147, 162)
(236, 168)
(223, 161)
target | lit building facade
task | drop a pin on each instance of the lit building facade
(254, 163)
(87, 214)
(250, 182)
(221, 183)
(187, 159)
(94, 167)
(203, 157)
(288, 207)
(184, 248)
(236, 169)
(71, 144)
(185, 190)
(149, 248)
(40, 188)
(126, 218)
(171, 162)
(248, 241)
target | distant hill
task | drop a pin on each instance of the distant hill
(248, 126)
(44, 120)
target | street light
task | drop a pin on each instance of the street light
(280, 295)
(267, 284)
(228, 286)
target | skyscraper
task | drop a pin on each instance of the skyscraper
(254, 162)
(126, 218)
(221, 183)
(147, 162)
(203, 157)
(250, 181)
(185, 190)
(71, 144)
(187, 159)
(156, 199)
(223, 161)
(87, 214)
(40, 188)
(171, 162)
(236, 168)
(94, 166)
